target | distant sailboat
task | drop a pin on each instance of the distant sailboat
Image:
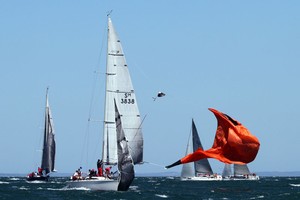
(241, 172)
(122, 134)
(48, 157)
(199, 170)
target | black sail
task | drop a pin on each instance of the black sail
(201, 166)
(125, 163)
(48, 158)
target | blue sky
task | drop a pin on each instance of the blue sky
(239, 57)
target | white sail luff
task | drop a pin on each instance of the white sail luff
(109, 150)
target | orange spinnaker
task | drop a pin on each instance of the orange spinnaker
(233, 143)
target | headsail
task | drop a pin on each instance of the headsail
(233, 143)
(125, 163)
(119, 87)
(48, 158)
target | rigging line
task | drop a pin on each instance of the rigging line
(87, 132)
(154, 164)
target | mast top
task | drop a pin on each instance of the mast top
(108, 13)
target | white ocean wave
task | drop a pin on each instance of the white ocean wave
(23, 188)
(161, 195)
(295, 185)
(134, 187)
(39, 182)
(68, 189)
(170, 177)
(258, 197)
(3, 182)
(14, 179)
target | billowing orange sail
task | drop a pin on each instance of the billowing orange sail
(233, 143)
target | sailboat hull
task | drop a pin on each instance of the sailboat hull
(37, 178)
(242, 178)
(202, 178)
(99, 183)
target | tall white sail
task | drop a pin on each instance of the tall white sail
(119, 87)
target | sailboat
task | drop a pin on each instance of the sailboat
(241, 172)
(201, 169)
(48, 157)
(122, 133)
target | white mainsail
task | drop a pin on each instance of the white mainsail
(119, 87)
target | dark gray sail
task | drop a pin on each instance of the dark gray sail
(48, 158)
(125, 162)
(227, 172)
(202, 166)
(240, 170)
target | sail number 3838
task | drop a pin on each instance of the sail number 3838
(127, 99)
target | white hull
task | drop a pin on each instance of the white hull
(242, 178)
(202, 178)
(97, 183)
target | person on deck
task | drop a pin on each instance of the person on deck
(107, 171)
(99, 167)
(40, 171)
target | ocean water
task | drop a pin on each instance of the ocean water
(155, 188)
